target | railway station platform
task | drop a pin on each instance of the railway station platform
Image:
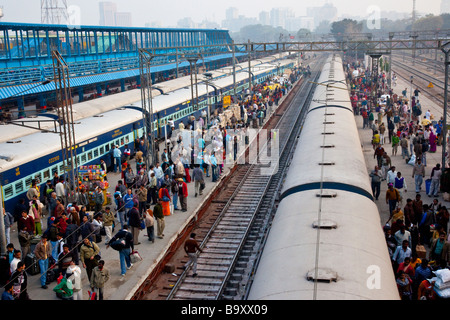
(118, 288)
(397, 161)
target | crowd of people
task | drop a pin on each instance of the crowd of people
(63, 234)
(417, 229)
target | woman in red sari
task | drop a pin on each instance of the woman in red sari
(433, 142)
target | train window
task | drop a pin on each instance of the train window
(54, 170)
(83, 158)
(61, 169)
(102, 150)
(122, 141)
(8, 192)
(19, 187)
(112, 145)
(46, 174)
(106, 148)
(28, 182)
(95, 153)
(117, 142)
(127, 139)
(38, 178)
(89, 155)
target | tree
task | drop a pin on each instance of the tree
(303, 34)
(429, 22)
(259, 33)
(346, 26)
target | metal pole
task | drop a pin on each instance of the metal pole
(410, 100)
(177, 62)
(234, 70)
(249, 69)
(391, 36)
(2, 225)
(444, 125)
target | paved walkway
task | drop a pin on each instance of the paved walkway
(397, 161)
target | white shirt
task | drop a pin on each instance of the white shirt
(391, 176)
(158, 173)
(428, 115)
(59, 189)
(13, 265)
(75, 277)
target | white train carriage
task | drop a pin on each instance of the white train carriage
(326, 241)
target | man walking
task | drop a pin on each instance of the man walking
(42, 252)
(158, 214)
(190, 247)
(418, 174)
(127, 244)
(376, 182)
(197, 175)
(100, 275)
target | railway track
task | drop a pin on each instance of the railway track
(421, 81)
(234, 239)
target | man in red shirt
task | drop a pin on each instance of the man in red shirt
(191, 246)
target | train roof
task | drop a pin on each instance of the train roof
(352, 256)
(37, 145)
(326, 240)
(90, 108)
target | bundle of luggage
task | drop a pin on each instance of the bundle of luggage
(442, 284)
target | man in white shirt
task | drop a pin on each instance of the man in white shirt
(159, 174)
(15, 260)
(59, 189)
(391, 174)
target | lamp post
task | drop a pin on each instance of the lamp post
(444, 125)
(207, 81)
(410, 100)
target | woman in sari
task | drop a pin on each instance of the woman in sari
(433, 141)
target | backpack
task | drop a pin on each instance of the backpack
(118, 244)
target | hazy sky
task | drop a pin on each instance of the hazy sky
(168, 12)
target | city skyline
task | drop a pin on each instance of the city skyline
(169, 13)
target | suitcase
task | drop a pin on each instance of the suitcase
(31, 264)
(51, 275)
(421, 251)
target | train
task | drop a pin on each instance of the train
(326, 240)
(81, 110)
(99, 126)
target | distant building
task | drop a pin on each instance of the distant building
(231, 13)
(327, 12)
(107, 13)
(445, 6)
(123, 19)
(186, 23)
(295, 24)
(264, 18)
(279, 16)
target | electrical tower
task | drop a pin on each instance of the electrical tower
(54, 12)
(66, 125)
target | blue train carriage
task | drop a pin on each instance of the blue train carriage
(132, 97)
(38, 156)
(97, 134)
